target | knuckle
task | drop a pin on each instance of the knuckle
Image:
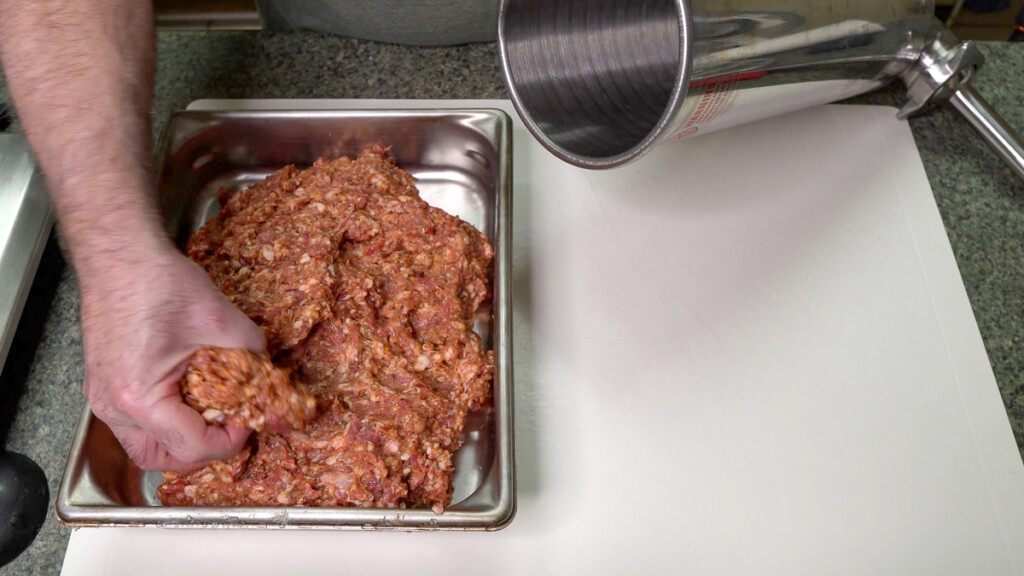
(127, 400)
(212, 318)
(112, 397)
(101, 409)
(101, 405)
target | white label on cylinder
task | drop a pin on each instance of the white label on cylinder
(705, 102)
(715, 104)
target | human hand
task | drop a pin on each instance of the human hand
(141, 321)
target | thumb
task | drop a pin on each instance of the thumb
(220, 324)
(240, 331)
(214, 320)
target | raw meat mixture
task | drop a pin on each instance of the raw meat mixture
(367, 294)
(243, 389)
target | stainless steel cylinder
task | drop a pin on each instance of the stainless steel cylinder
(600, 82)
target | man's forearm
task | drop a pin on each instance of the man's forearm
(80, 73)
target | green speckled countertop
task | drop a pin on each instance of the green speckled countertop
(981, 200)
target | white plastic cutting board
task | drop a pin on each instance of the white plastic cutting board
(748, 353)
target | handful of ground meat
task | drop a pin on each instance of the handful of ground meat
(243, 389)
(367, 294)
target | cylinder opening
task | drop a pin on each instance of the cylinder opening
(596, 81)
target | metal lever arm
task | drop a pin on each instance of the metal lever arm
(992, 127)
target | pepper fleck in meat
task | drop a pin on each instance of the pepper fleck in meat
(367, 295)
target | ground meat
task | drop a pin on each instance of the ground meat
(368, 295)
(243, 389)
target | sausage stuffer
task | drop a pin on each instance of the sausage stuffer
(600, 83)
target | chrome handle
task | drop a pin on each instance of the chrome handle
(990, 125)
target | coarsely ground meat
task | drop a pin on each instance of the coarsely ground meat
(368, 294)
(243, 389)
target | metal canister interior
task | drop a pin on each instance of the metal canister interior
(593, 79)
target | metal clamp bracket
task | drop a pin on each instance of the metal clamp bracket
(942, 73)
(945, 63)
